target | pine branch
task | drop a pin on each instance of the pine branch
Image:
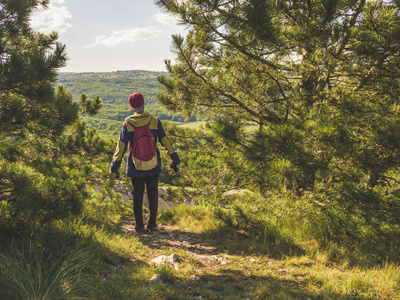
(341, 46)
(374, 69)
(271, 117)
(243, 49)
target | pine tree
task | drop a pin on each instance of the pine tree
(319, 78)
(43, 171)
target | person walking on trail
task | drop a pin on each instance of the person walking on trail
(142, 170)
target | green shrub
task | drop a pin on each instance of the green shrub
(28, 196)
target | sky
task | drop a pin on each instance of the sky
(110, 35)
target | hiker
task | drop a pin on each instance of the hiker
(142, 171)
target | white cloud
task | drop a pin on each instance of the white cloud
(54, 18)
(166, 19)
(126, 36)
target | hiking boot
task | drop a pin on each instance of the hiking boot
(140, 231)
(152, 228)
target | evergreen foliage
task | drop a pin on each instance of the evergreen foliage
(321, 80)
(44, 147)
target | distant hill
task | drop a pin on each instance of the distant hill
(114, 89)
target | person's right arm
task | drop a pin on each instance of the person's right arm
(120, 150)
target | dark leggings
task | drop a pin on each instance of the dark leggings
(138, 184)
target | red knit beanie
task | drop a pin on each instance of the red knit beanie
(136, 102)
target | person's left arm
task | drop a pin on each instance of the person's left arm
(164, 141)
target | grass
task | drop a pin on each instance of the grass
(201, 124)
(216, 262)
(192, 125)
(312, 274)
(35, 274)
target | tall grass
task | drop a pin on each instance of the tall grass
(288, 225)
(34, 273)
(296, 266)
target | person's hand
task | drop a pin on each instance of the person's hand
(174, 168)
(175, 159)
(112, 175)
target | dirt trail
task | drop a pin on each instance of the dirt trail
(210, 269)
(169, 238)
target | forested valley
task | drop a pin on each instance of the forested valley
(114, 89)
(285, 115)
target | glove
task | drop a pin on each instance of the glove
(174, 168)
(113, 176)
(175, 162)
(175, 159)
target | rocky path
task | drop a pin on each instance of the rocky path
(206, 270)
(169, 244)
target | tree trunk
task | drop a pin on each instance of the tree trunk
(372, 179)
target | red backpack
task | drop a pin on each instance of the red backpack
(143, 149)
